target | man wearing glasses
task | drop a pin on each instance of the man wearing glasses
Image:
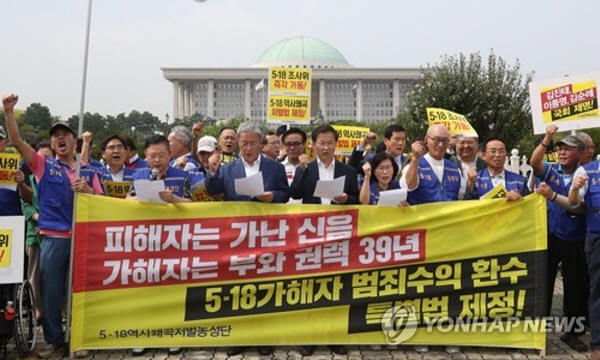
(272, 145)
(430, 177)
(294, 141)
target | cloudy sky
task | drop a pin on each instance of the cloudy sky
(43, 41)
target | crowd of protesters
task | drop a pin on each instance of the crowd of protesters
(438, 168)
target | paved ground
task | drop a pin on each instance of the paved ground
(555, 349)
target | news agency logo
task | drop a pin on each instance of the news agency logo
(399, 323)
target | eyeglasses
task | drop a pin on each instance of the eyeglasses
(438, 140)
(274, 143)
(388, 168)
(115, 147)
(252, 145)
(292, 144)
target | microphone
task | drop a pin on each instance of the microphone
(154, 174)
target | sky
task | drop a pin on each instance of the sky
(131, 40)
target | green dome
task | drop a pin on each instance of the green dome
(302, 52)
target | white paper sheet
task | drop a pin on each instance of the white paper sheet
(328, 189)
(250, 186)
(392, 197)
(147, 190)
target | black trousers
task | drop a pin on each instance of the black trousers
(592, 251)
(575, 277)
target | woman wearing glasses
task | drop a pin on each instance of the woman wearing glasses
(380, 175)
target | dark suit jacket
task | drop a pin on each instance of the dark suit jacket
(305, 181)
(274, 180)
(480, 164)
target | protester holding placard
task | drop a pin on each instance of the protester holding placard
(9, 164)
(495, 175)
(116, 178)
(566, 230)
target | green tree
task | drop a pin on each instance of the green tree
(37, 116)
(95, 123)
(493, 96)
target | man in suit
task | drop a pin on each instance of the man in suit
(325, 167)
(221, 179)
(466, 154)
(394, 138)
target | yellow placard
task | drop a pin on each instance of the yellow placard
(289, 108)
(199, 193)
(117, 189)
(454, 122)
(5, 247)
(498, 192)
(348, 138)
(574, 101)
(290, 81)
(215, 273)
(9, 164)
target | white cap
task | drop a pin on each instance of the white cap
(207, 143)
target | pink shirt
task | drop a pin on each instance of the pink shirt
(38, 167)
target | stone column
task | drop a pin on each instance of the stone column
(175, 100)
(359, 105)
(181, 101)
(396, 98)
(322, 98)
(247, 99)
(210, 99)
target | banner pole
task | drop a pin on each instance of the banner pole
(79, 132)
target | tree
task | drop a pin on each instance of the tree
(494, 97)
(38, 116)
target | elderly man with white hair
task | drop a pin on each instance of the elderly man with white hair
(180, 144)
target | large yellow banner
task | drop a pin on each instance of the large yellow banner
(223, 274)
(289, 96)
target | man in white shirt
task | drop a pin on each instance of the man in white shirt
(430, 177)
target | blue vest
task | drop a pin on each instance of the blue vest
(564, 224)
(176, 180)
(512, 181)
(105, 175)
(374, 199)
(55, 195)
(430, 189)
(190, 160)
(592, 198)
(138, 164)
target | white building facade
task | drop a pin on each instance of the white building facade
(339, 90)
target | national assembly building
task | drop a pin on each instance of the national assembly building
(340, 91)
